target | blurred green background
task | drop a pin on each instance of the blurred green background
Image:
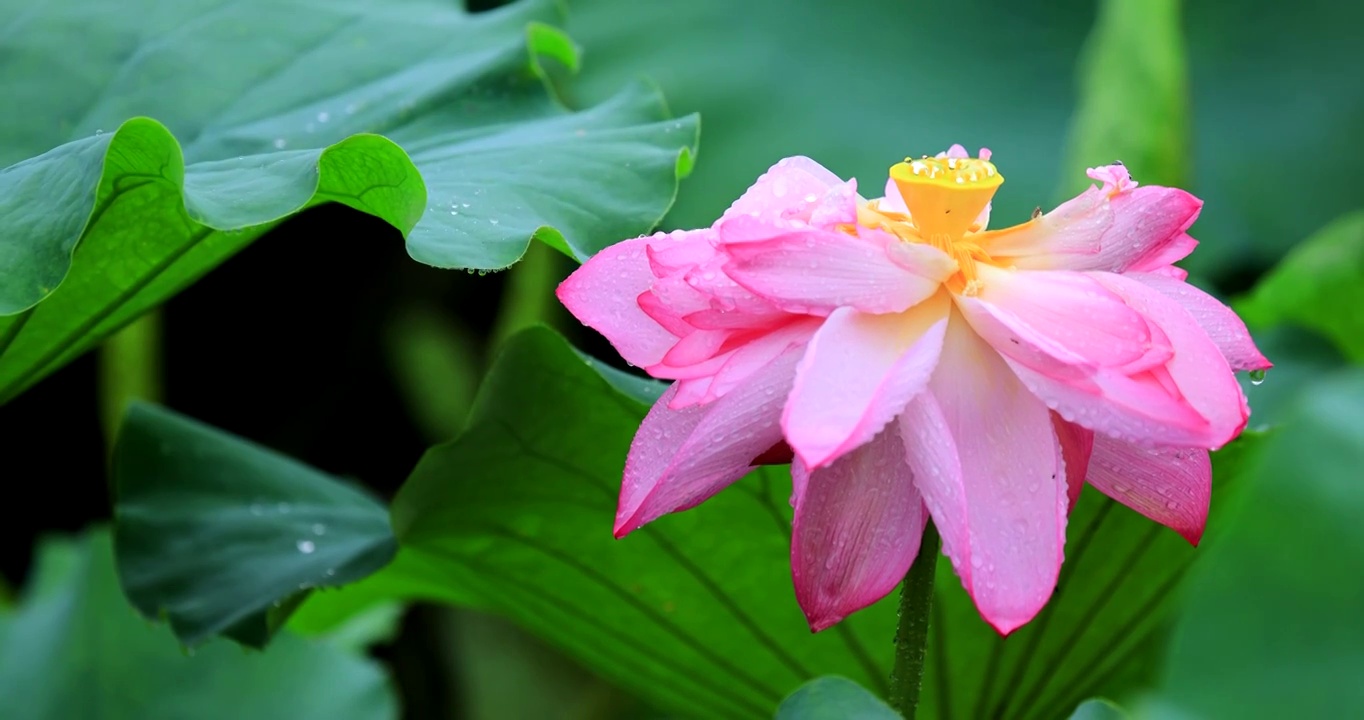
(324, 341)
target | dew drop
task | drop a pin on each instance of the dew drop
(305, 546)
(98, 133)
(324, 116)
(1257, 377)
(1172, 505)
(331, 572)
(309, 127)
(280, 143)
(319, 529)
(494, 221)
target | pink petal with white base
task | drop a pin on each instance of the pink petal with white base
(793, 189)
(682, 457)
(857, 375)
(1064, 315)
(603, 294)
(1095, 232)
(998, 491)
(1220, 322)
(856, 531)
(1074, 228)
(815, 271)
(1172, 486)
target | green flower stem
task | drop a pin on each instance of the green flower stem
(129, 368)
(911, 635)
(528, 298)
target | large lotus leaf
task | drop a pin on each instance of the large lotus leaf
(270, 105)
(218, 535)
(695, 613)
(834, 698)
(1102, 630)
(1320, 285)
(1271, 625)
(74, 649)
(858, 85)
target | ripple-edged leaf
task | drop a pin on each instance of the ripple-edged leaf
(74, 649)
(221, 536)
(695, 613)
(272, 104)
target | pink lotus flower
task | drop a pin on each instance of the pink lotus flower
(919, 365)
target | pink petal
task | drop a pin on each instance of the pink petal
(1065, 316)
(1162, 257)
(681, 457)
(1220, 322)
(1115, 177)
(857, 527)
(796, 188)
(815, 271)
(893, 201)
(1075, 227)
(1198, 368)
(1108, 402)
(857, 375)
(1077, 444)
(724, 359)
(753, 356)
(990, 469)
(1192, 401)
(1172, 486)
(602, 295)
(1096, 232)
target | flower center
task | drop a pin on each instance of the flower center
(944, 197)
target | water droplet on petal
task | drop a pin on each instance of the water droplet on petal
(305, 546)
(1257, 377)
(324, 116)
